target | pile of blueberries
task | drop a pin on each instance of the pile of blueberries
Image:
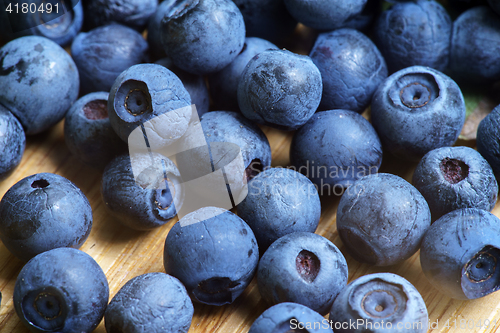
(404, 60)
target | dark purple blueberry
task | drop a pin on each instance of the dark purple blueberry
(213, 253)
(302, 267)
(12, 142)
(487, 142)
(451, 178)
(132, 13)
(416, 110)
(62, 290)
(381, 219)
(160, 299)
(379, 303)
(42, 212)
(460, 254)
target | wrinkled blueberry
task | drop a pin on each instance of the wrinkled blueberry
(335, 148)
(290, 317)
(214, 258)
(381, 219)
(12, 142)
(152, 302)
(351, 67)
(62, 290)
(148, 200)
(279, 202)
(104, 52)
(416, 110)
(224, 83)
(450, 178)
(42, 212)
(414, 33)
(39, 82)
(379, 303)
(487, 143)
(460, 254)
(88, 133)
(202, 36)
(132, 13)
(302, 267)
(280, 89)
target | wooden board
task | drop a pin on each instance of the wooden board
(124, 253)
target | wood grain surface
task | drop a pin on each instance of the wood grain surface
(124, 253)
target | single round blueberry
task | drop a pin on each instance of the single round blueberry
(302, 267)
(487, 144)
(88, 132)
(474, 55)
(451, 178)
(289, 317)
(42, 212)
(40, 82)
(460, 254)
(202, 36)
(414, 33)
(213, 253)
(380, 302)
(12, 142)
(194, 84)
(324, 14)
(335, 148)
(132, 13)
(280, 89)
(104, 52)
(161, 300)
(381, 219)
(279, 202)
(60, 24)
(224, 83)
(416, 110)
(267, 19)
(62, 290)
(152, 99)
(136, 192)
(351, 67)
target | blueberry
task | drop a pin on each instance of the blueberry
(60, 25)
(290, 317)
(224, 84)
(381, 219)
(203, 36)
(132, 13)
(381, 302)
(88, 133)
(335, 148)
(62, 290)
(302, 267)
(152, 302)
(487, 142)
(324, 14)
(154, 33)
(280, 89)
(279, 202)
(214, 257)
(267, 19)
(144, 92)
(104, 52)
(416, 110)
(42, 212)
(40, 82)
(351, 67)
(475, 44)
(12, 142)
(451, 178)
(414, 33)
(143, 200)
(194, 84)
(460, 254)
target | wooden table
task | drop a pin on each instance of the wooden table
(124, 253)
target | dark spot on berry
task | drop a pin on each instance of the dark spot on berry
(40, 183)
(216, 290)
(308, 265)
(454, 171)
(250, 252)
(244, 48)
(95, 110)
(254, 169)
